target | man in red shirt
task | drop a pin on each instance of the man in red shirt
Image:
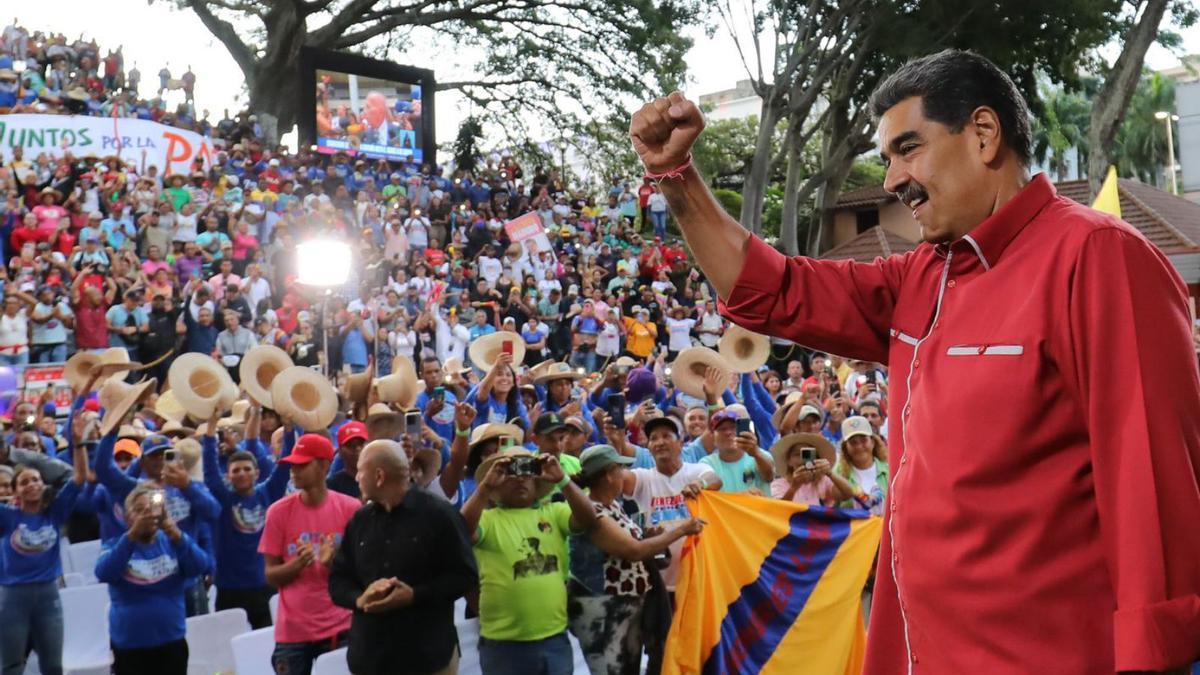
(1045, 404)
(28, 233)
(644, 193)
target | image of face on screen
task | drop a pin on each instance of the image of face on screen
(368, 115)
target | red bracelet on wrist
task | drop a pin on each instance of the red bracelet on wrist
(677, 172)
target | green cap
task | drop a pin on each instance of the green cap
(598, 458)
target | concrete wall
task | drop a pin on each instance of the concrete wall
(1187, 103)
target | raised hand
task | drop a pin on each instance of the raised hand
(664, 130)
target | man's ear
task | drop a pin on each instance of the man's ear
(986, 130)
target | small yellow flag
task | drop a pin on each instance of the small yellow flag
(1108, 199)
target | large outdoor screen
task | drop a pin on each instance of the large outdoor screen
(368, 108)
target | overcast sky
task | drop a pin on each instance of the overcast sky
(155, 34)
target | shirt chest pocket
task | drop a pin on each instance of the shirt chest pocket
(986, 350)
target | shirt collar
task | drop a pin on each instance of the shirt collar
(990, 238)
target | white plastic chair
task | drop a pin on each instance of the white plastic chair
(85, 629)
(252, 652)
(64, 555)
(83, 559)
(74, 580)
(332, 663)
(273, 603)
(468, 639)
(209, 636)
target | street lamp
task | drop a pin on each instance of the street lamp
(324, 264)
(1168, 118)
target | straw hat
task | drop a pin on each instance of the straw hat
(132, 431)
(486, 349)
(79, 94)
(358, 385)
(454, 366)
(175, 429)
(541, 368)
(259, 368)
(189, 452)
(784, 446)
(238, 415)
(557, 371)
(430, 461)
(305, 397)
(401, 386)
(626, 362)
(788, 401)
(541, 488)
(79, 367)
(118, 398)
(168, 408)
(687, 371)
(202, 386)
(383, 422)
(745, 351)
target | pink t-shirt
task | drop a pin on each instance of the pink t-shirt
(813, 494)
(306, 614)
(49, 216)
(242, 243)
(151, 267)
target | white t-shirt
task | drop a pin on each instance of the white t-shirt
(256, 290)
(657, 202)
(490, 269)
(660, 499)
(185, 228)
(711, 322)
(680, 331)
(14, 333)
(608, 342)
(418, 231)
(452, 341)
(547, 285)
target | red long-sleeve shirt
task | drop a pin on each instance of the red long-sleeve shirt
(1044, 514)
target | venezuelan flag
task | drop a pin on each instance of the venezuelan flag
(771, 587)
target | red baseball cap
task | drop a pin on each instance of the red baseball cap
(308, 448)
(350, 431)
(92, 405)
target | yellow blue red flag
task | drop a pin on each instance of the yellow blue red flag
(771, 586)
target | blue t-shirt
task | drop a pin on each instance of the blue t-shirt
(476, 331)
(118, 316)
(239, 564)
(29, 553)
(737, 476)
(354, 348)
(186, 507)
(145, 588)
(443, 422)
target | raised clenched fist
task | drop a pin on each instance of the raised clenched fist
(664, 130)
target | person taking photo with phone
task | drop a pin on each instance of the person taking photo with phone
(738, 461)
(147, 570)
(521, 548)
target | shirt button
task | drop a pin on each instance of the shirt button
(917, 363)
(893, 507)
(951, 284)
(904, 460)
(914, 658)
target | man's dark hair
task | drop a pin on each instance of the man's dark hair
(242, 456)
(951, 85)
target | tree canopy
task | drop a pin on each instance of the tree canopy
(528, 59)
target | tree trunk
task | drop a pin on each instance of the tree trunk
(1111, 102)
(788, 234)
(275, 95)
(846, 138)
(754, 189)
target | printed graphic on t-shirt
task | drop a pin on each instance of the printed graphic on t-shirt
(248, 519)
(28, 541)
(535, 563)
(146, 571)
(314, 538)
(668, 509)
(178, 508)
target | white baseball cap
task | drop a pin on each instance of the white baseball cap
(856, 426)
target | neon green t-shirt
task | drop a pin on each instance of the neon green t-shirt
(522, 557)
(570, 464)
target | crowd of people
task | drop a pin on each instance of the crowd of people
(566, 391)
